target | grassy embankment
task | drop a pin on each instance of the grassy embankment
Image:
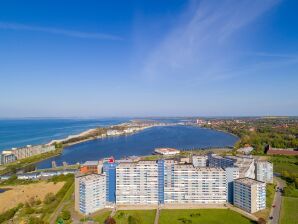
(287, 166)
(210, 216)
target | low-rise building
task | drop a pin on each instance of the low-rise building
(166, 151)
(245, 150)
(249, 194)
(90, 193)
(264, 171)
(91, 167)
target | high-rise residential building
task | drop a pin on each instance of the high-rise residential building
(246, 165)
(215, 160)
(186, 184)
(109, 168)
(29, 150)
(7, 157)
(90, 193)
(249, 194)
(200, 160)
(232, 173)
(264, 171)
(137, 183)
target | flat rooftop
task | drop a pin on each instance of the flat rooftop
(164, 150)
(248, 181)
(90, 163)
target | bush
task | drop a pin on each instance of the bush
(65, 215)
(133, 220)
(35, 220)
(49, 198)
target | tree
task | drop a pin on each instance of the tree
(110, 220)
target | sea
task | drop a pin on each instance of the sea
(21, 132)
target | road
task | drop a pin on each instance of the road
(277, 202)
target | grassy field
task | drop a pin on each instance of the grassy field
(210, 216)
(22, 193)
(289, 211)
(136, 216)
(285, 163)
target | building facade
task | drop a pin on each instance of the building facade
(186, 184)
(90, 193)
(7, 157)
(264, 171)
(200, 160)
(109, 169)
(249, 194)
(232, 173)
(29, 150)
(137, 183)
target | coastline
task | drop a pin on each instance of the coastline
(126, 128)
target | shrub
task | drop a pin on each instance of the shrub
(65, 215)
(49, 198)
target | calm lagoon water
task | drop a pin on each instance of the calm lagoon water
(143, 143)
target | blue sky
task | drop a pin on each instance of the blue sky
(148, 58)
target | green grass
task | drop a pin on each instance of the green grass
(210, 216)
(285, 163)
(270, 192)
(289, 211)
(100, 218)
(143, 216)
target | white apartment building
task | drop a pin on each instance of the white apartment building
(199, 160)
(246, 166)
(249, 194)
(137, 183)
(264, 171)
(186, 184)
(215, 160)
(90, 193)
(7, 157)
(29, 150)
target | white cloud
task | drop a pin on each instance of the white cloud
(65, 32)
(201, 44)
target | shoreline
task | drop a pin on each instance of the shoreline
(126, 128)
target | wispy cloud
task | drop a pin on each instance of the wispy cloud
(52, 30)
(202, 45)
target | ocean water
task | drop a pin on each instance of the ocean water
(143, 143)
(22, 132)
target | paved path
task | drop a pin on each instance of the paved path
(277, 202)
(156, 216)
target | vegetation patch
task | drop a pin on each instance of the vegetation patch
(135, 216)
(210, 216)
(289, 210)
